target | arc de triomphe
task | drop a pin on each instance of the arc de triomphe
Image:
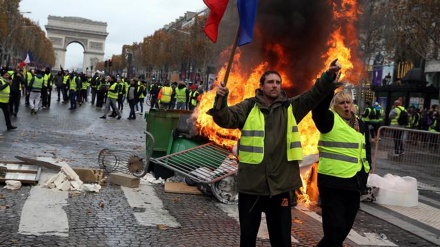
(91, 35)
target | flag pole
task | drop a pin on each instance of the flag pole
(228, 68)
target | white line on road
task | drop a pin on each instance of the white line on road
(43, 212)
(371, 239)
(145, 197)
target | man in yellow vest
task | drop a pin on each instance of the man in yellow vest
(5, 88)
(29, 75)
(17, 85)
(397, 134)
(193, 97)
(182, 96)
(36, 85)
(165, 95)
(112, 97)
(269, 150)
(344, 164)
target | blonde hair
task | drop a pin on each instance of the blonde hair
(340, 96)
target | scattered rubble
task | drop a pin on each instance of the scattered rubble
(12, 185)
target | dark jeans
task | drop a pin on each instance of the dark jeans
(398, 143)
(376, 126)
(93, 92)
(120, 102)
(72, 95)
(65, 93)
(5, 109)
(141, 104)
(132, 104)
(339, 209)
(14, 101)
(154, 103)
(44, 96)
(278, 218)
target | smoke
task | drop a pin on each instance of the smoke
(302, 28)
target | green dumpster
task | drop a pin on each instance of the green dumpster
(161, 123)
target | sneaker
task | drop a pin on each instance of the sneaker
(402, 153)
(103, 117)
(119, 117)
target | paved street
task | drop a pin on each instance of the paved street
(148, 216)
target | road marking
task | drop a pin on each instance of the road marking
(145, 197)
(263, 233)
(372, 239)
(406, 225)
(43, 212)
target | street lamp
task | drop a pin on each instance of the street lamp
(188, 70)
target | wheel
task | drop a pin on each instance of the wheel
(225, 190)
(190, 182)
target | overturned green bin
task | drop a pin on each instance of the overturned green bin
(163, 126)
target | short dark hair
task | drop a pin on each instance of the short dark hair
(265, 74)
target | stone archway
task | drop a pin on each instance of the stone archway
(91, 35)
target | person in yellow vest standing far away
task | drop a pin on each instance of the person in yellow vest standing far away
(269, 150)
(165, 95)
(5, 88)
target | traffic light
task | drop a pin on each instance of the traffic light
(105, 64)
(110, 62)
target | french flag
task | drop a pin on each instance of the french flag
(247, 11)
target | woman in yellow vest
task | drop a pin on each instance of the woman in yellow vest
(269, 151)
(344, 163)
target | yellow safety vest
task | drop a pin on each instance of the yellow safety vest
(29, 77)
(38, 83)
(193, 100)
(142, 89)
(251, 147)
(111, 94)
(180, 94)
(342, 151)
(65, 79)
(72, 84)
(166, 94)
(399, 109)
(4, 94)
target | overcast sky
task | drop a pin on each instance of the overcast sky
(127, 21)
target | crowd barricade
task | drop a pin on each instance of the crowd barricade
(408, 152)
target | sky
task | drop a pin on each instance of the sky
(127, 21)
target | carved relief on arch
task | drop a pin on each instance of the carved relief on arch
(82, 42)
(56, 41)
(96, 45)
(94, 61)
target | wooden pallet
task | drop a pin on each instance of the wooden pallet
(20, 171)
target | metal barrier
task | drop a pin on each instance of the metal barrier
(408, 152)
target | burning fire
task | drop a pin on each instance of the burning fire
(340, 45)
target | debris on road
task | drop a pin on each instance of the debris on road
(12, 185)
(125, 180)
(19, 171)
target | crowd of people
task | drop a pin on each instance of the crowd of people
(107, 92)
(416, 119)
